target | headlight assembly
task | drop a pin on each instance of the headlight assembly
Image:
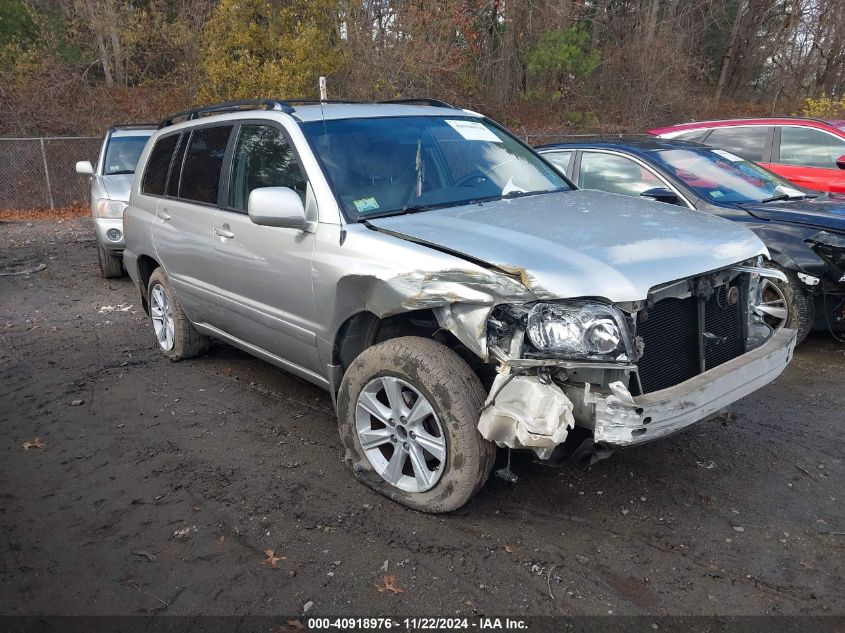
(579, 330)
(106, 208)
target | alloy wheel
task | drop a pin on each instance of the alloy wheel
(161, 313)
(400, 434)
(773, 305)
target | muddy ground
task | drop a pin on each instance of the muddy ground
(158, 487)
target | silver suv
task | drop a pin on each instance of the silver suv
(449, 288)
(110, 182)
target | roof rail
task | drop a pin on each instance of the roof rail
(228, 106)
(437, 103)
(285, 106)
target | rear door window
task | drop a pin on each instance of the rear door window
(263, 158)
(749, 142)
(155, 174)
(200, 179)
(810, 148)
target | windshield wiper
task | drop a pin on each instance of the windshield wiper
(121, 172)
(413, 208)
(521, 194)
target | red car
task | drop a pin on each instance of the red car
(809, 152)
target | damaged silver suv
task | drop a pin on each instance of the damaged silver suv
(449, 288)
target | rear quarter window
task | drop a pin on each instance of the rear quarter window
(155, 173)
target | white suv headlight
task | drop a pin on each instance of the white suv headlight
(106, 208)
(579, 330)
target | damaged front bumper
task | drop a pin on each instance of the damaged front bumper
(526, 411)
(624, 421)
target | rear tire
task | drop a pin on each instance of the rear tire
(175, 334)
(111, 266)
(428, 371)
(799, 301)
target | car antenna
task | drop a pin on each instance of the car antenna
(324, 97)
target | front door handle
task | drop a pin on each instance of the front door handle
(223, 231)
(164, 215)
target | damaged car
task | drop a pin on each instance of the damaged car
(450, 288)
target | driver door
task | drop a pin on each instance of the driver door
(264, 273)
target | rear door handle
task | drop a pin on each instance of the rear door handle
(223, 232)
(164, 215)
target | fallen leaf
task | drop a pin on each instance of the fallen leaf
(34, 443)
(510, 549)
(222, 539)
(272, 559)
(388, 583)
(294, 625)
(77, 403)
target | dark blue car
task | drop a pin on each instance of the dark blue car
(804, 230)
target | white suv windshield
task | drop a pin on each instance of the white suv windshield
(382, 166)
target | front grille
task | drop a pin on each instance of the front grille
(674, 339)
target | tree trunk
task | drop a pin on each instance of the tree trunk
(727, 60)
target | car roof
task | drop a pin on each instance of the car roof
(635, 144)
(333, 111)
(694, 125)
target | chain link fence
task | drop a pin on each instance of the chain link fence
(38, 173)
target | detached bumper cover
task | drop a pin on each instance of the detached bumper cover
(622, 420)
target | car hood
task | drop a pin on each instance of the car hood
(583, 243)
(824, 212)
(117, 187)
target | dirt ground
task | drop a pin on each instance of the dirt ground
(159, 486)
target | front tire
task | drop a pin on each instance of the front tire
(175, 334)
(111, 266)
(801, 311)
(407, 416)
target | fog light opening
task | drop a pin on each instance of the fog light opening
(114, 235)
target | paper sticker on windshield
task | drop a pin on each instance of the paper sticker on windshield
(365, 204)
(716, 194)
(473, 131)
(731, 157)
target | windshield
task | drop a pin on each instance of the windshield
(720, 176)
(383, 166)
(123, 153)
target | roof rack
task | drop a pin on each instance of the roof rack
(437, 103)
(285, 106)
(228, 106)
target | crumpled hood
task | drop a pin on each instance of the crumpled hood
(824, 212)
(583, 243)
(117, 187)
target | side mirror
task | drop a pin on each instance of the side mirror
(85, 168)
(276, 206)
(840, 162)
(661, 194)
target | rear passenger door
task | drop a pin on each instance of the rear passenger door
(184, 224)
(264, 273)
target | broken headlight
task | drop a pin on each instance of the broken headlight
(579, 330)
